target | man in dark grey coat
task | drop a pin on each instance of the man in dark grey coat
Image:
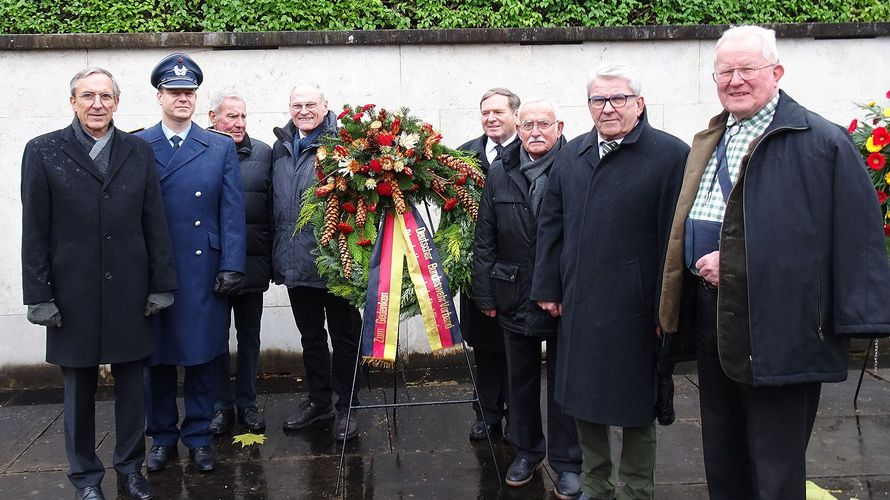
(228, 113)
(503, 267)
(96, 262)
(603, 225)
(497, 108)
(293, 171)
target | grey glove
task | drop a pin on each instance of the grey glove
(158, 301)
(46, 314)
(227, 283)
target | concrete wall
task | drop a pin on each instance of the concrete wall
(441, 83)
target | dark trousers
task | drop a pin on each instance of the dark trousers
(310, 307)
(754, 438)
(248, 309)
(526, 429)
(491, 383)
(85, 468)
(198, 391)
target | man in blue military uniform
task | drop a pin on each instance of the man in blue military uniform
(201, 186)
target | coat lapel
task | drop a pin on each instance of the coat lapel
(195, 144)
(75, 151)
(163, 150)
(120, 150)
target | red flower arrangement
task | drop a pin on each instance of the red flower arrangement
(872, 138)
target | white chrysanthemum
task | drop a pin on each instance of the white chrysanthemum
(370, 184)
(407, 140)
(398, 166)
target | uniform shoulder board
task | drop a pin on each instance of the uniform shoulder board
(220, 132)
(136, 130)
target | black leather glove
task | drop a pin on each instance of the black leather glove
(227, 283)
(45, 314)
(158, 301)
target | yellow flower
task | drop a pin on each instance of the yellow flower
(376, 124)
(886, 112)
(887, 177)
(871, 103)
(871, 147)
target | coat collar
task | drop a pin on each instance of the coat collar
(286, 134)
(196, 143)
(120, 149)
(590, 148)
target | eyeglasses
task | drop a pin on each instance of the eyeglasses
(746, 74)
(617, 101)
(541, 124)
(308, 106)
(90, 97)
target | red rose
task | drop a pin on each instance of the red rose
(358, 117)
(384, 189)
(385, 139)
(449, 205)
(344, 227)
(880, 136)
(367, 107)
(349, 207)
(375, 166)
(343, 113)
(363, 242)
(882, 197)
(853, 125)
(875, 161)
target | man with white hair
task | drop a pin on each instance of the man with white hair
(601, 233)
(777, 213)
(503, 269)
(228, 113)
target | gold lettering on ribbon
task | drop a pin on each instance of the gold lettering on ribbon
(424, 243)
(382, 308)
(436, 278)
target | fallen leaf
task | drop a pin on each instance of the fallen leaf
(251, 439)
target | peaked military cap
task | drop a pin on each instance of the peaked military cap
(177, 71)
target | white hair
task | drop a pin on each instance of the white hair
(766, 36)
(616, 70)
(549, 104)
(218, 98)
(307, 84)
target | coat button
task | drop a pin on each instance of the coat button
(108, 276)
(198, 252)
(107, 236)
(197, 223)
(197, 194)
(105, 194)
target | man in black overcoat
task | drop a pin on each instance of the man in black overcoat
(498, 108)
(603, 226)
(96, 262)
(228, 113)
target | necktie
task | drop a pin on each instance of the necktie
(498, 149)
(175, 140)
(608, 146)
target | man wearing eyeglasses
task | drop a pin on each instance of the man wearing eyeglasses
(603, 226)
(201, 184)
(497, 109)
(96, 263)
(779, 228)
(503, 268)
(293, 264)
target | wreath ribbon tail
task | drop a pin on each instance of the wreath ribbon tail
(380, 329)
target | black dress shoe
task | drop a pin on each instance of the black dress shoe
(568, 485)
(251, 419)
(159, 456)
(203, 458)
(345, 429)
(308, 412)
(134, 485)
(222, 422)
(89, 493)
(477, 432)
(521, 471)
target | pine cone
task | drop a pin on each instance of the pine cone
(345, 257)
(462, 167)
(437, 185)
(466, 201)
(398, 199)
(331, 218)
(361, 214)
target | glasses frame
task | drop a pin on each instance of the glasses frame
(105, 98)
(307, 106)
(592, 100)
(755, 72)
(530, 126)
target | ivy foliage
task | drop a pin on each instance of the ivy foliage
(146, 16)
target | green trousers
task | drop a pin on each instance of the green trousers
(636, 469)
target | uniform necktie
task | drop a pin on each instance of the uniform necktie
(608, 146)
(498, 149)
(175, 140)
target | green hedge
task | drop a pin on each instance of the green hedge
(138, 16)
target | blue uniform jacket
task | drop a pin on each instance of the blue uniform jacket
(204, 201)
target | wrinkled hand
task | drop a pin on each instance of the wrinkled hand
(157, 301)
(491, 313)
(554, 308)
(45, 314)
(227, 283)
(709, 267)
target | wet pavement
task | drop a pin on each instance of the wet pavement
(423, 452)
